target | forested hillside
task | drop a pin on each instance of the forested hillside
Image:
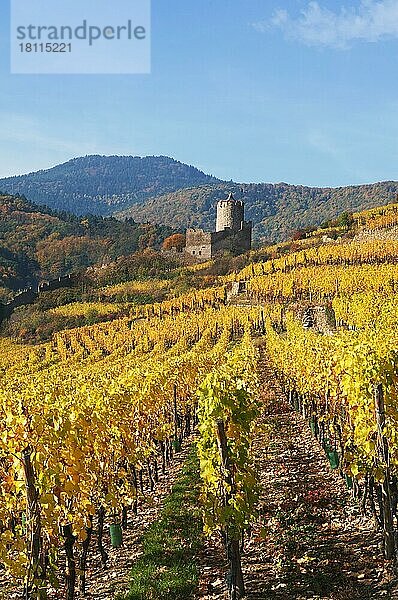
(277, 210)
(103, 184)
(164, 191)
(36, 242)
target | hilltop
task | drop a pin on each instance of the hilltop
(101, 185)
(162, 190)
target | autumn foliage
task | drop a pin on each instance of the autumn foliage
(176, 241)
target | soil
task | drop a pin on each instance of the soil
(311, 539)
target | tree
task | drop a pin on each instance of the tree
(177, 241)
(300, 234)
(345, 220)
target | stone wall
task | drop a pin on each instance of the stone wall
(390, 233)
(203, 245)
(57, 284)
(175, 255)
(199, 243)
(30, 295)
(235, 242)
(320, 317)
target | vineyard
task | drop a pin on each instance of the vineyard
(93, 418)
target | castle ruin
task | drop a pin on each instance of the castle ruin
(232, 234)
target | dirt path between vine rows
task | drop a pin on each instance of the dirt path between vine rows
(103, 584)
(311, 540)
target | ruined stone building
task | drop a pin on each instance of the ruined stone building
(232, 233)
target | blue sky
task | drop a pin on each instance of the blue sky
(282, 90)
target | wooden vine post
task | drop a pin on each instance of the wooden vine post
(70, 572)
(34, 585)
(177, 441)
(382, 448)
(236, 583)
(100, 533)
(83, 557)
(175, 416)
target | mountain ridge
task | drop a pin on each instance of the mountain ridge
(165, 191)
(96, 183)
(277, 210)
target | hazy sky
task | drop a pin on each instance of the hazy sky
(250, 90)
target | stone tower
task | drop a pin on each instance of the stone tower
(233, 234)
(230, 214)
